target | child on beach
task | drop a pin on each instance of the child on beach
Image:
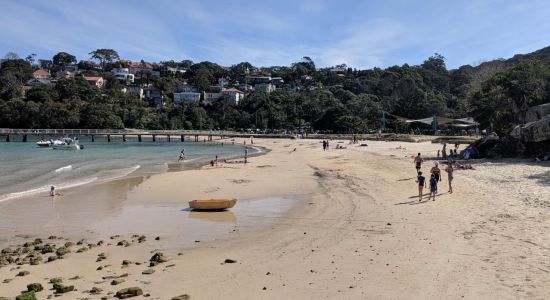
(53, 192)
(421, 184)
(433, 187)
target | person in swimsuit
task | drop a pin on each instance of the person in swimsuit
(436, 172)
(421, 184)
(433, 187)
(450, 171)
(418, 162)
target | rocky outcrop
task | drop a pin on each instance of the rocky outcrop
(536, 113)
(533, 132)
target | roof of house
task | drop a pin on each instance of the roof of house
(41, 72)
(233, 90)
(92, 78)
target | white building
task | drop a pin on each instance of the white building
(97, 81)
(124, 75)
(264, 87)
(193, 97)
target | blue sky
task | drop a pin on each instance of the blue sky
(362, 34)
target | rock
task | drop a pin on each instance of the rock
(229, 261)
(26, 296)
(60, 288)
(141, 239)
(99, 268)
(157, 258)
(75, 278)
(82, 249)
(23, 273)
(95, 291)
(157, 238)
(124, 243)
(62, 251)
(129, 292)
(126, 262)
(182, 297)
(69, 244)
(34, 287)
(148, 272)
(536, 113)
(117, 281)
(48, 248)
(7, 280)
(56, 280)
(52, 237)
(533, 132)
(52, 258)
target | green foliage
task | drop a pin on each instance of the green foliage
(63, 58)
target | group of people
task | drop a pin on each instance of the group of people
(325, 145)
(435, 177)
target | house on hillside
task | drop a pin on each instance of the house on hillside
(186, 93)
(234, 94)
(138, 67)
(245, 87)
(38, 82)
(155, 96)
(123, 75)
(277, 81)
(264, 87)
(97, 81)
(41, 74)
(64, 74)
(212, 94)
(134, 90)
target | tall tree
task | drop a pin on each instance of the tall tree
(62, 59)
(104, 56)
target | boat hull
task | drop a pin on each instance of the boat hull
(212, 204)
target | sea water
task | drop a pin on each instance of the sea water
(26, 169)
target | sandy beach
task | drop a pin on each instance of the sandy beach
(309, 224)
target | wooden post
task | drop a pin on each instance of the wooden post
(93, 139)
(24, 138)
(182, 138)
(109, 138)
(139, 138)
(124, 138)
(154, 138)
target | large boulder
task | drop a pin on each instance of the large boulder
(533, 132)
(536, 113)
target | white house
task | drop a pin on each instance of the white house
(134, 91)
(264, 87)
(124, 75)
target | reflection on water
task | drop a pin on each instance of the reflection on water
(225, 216)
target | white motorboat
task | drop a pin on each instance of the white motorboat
(67, 144)
(44, 144)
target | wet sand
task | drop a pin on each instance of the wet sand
(337, 224)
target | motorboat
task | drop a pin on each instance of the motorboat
(67, 143)
(44, 144)
(212, 204)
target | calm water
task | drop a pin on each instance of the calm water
(26, 169)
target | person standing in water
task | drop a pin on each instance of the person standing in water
(450, 177)
(421, 180)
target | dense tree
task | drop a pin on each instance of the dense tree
(63, 59)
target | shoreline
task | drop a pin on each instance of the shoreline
(354, 229)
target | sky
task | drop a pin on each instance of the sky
(361, 34)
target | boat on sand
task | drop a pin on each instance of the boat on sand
(212, 204)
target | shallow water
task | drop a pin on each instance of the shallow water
(29, 170)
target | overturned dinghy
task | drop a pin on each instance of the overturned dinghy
(212, 204)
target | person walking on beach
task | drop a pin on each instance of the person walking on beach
(246, 155)
(418, 160)
(433, 187)
(444, 151)
(436, 172)
(450, 171)
(421, 184)
(324, 145)
(182, 157)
